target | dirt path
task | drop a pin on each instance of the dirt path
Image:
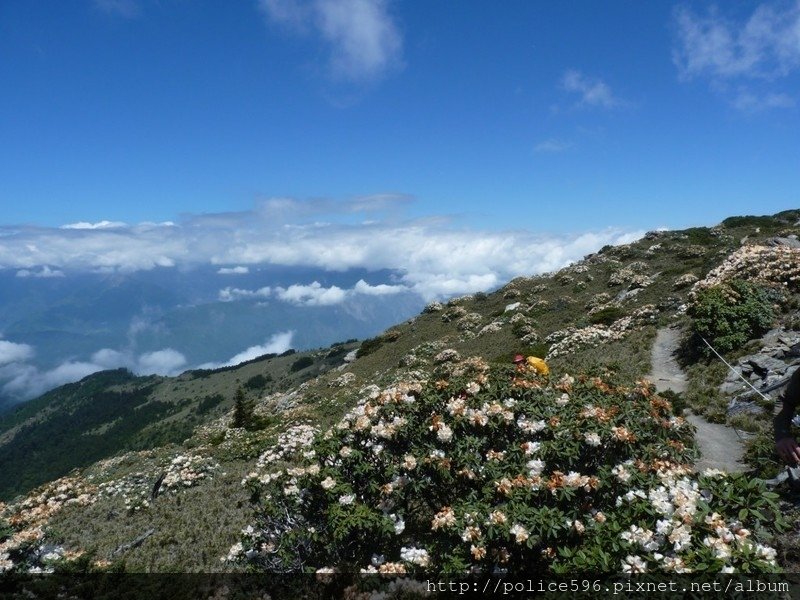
(720, 446)
(665, 373)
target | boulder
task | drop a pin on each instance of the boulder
(624, 295)
(731, 388)
(784, 241)
(765, 364)
(737, 406)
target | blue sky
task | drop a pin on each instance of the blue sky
(454, 145)
(546, 116)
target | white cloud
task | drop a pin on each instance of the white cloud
(229, 294)
(98, 225)
(97, 249)
(363, 39)
(436, 285)
(362, 287)
(378, 203)
(11, 352)
(552, 145)
(44, 273)
(760, 50)
(311, 295)
(432, 257)
(23, 380)
(278, 343)
(593, 92)
(161, 362)
(111, 359)
(233, 271)
(748, 101)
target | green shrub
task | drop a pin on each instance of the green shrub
(258, 382)
(515, 472)
(371, 345)
(761, 456)
(676, 399)
(730, 315)
(209, 402)
(538, 350)
(301, 363)
(607, 315)
(699, 235)
(750, 221)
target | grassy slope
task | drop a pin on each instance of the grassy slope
(195, 528)
(80, 423)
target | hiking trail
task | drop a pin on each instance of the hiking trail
(720, 447)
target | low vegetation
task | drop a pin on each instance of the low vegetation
(729, 315)
(425, 448)
(507, 468)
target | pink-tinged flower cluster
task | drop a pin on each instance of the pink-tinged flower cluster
(566, 341)
(25, 546)
(771, 265)
(508, 465)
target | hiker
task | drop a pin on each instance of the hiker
(786, 446)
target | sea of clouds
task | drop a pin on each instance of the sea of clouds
(434, 258)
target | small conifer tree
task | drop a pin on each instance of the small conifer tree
(243, 410)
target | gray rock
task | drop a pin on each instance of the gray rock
(624, 295)
(783, 241)
(765, 364)
(789, 474)
(746, 369)
(737, 406)
(733, 387)
(773, 337)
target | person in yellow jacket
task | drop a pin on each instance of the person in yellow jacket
(538, 364)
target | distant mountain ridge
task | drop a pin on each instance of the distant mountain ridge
(67, 320)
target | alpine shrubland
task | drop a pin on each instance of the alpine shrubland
(426, 449)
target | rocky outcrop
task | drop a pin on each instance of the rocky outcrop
(790, 241)
(765, 370)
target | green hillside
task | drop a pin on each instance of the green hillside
(459, 428)
(77, 424)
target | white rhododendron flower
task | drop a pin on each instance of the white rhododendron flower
(472, 388)
(592, 439)
(520, 533)
(634, 564)
(417, 556)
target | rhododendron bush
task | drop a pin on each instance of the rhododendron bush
(505, 469)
